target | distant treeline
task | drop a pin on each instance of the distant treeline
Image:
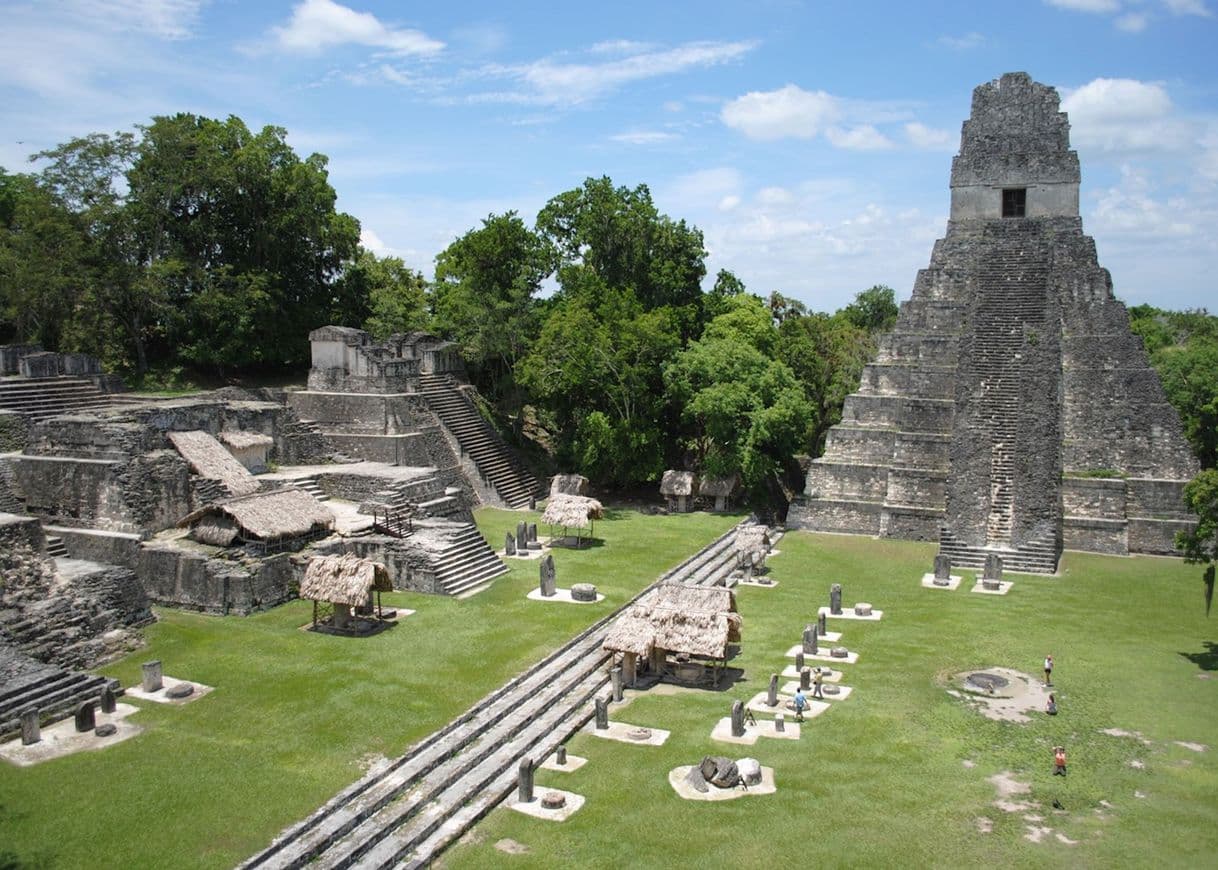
(196, 247)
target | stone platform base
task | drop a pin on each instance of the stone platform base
(848, 613)
(574, 762)
(620, 730)
(676, 778)
(823, 655)
(168, 683)
(1004, 586)
(722, 731)
(61, 738)
(953, 582)
(536, 810)
(562, 596)
(789, 689)
(789, 673)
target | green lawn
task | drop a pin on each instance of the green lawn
(896, 775)
(294, 712)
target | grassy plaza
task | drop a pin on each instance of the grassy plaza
(896, 774)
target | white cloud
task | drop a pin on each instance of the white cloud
(320, 24)
(167, 19)
(789, 112)
(921, 136)
(552, 82)
(703, 190)
(1188, 7)
(644, 137)
(862, 138)
(1098, 6)
(373, 242)
(729, 202)
(967, 42)
(1124, 115)
(1132, 22)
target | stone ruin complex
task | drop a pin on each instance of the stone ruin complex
(217, 501)
(1010, 410)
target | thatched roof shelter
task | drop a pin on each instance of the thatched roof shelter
(712, 487)
(694, 620)
(263, 516)
(345, 579)
(677, 483)
(572, 511)
(207, 457)
(569, 484)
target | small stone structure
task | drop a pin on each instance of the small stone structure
(509, 545)
(153, 677)
(583, 592)
(569, 484)
(737, 718)
(835, 599)
(524, 777)
(602, 714)
(811, 642)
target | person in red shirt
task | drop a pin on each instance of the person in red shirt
(1059, 760)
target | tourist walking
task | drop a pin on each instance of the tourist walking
(800, 703)
(1049, 670)
(818, 677)
(1059, 761)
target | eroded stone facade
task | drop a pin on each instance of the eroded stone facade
(1011, 382)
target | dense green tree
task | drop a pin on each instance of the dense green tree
(484, 298)
(596, 374)
(746, 411)
(618, 235)
(382, 295)
(873, 309)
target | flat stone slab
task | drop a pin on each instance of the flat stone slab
(563, 596)
(790, 673)
(753, 581)
(848, 613)
(61, 738)
(676, 778)
(953, 582)
(620, 731)
(161, 696)
(526, 556)
(574, 762)
(844, 692)
(536, 810)
(786, 706)
(829, 637)
(1004, 586)
(823, 655)
(722, 731)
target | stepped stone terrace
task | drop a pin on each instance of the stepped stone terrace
(1010, 410)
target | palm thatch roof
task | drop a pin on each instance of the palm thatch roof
(695, 620)
(207, 457)
(242, 440)
(569, 484)
(572, 511)
(678, 483)
(345, 579)
(719, 486)
(266, 516)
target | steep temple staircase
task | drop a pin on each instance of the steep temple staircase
(499, 468)
(43, 398)
(1012, 294)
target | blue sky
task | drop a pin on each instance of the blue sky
(811, 142)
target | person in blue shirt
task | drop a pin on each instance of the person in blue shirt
(800, 703)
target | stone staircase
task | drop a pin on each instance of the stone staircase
(54, 692)
(1038, 556)
(311, 486)
(426, 497)
(1011, 297)
(43, 398)
(495, 461)
(467, 563)
(56, 548)
(406, 812)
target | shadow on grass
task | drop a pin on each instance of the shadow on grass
(1207, 660)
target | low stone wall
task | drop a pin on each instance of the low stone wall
(860, 444)
(911, 523)
(1102, 497)
(95, 545)
(831, 515)
(1095, 535)
(1156, 537)
(178, 577)
(410, 568)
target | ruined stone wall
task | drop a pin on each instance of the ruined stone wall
(14, 431)
(410, 568)
(194, 580)
(76, 620)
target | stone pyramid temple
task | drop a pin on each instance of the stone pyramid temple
(1011, 410)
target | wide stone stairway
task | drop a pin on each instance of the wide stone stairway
(27, 684)
(495, 462)
(405, 812)
(468, 562)
(43, 398)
